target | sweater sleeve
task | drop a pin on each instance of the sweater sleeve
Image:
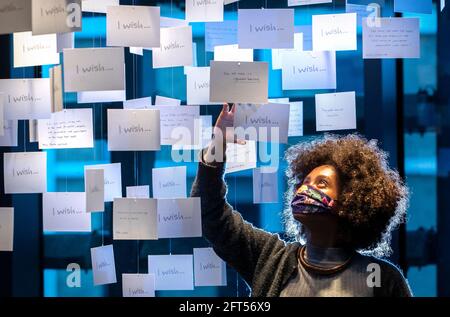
(235, 240)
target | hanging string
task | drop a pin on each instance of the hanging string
(235, 208)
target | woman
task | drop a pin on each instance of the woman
(344, 201)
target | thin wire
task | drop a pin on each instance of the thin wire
(235, 208)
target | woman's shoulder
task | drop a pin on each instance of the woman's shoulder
(392, 281)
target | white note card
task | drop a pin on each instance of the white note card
(67, 129)
(209, 269)
(6, 229)
(178, 124)
(266, 28)
(296, 119)
(232, 53)
(169, 182)
(138, 191)
(34, 50)
(336, 111)
(172, 272)
(204, 10)
(392, 38)
(179, 218)
(265, 185)
(56, 16)
(220, 33)
(94, 69)
(10, 133)
(26, 98)
(140, 103)
(101, 96)
(134, 219)
(197, 82)
(98, 6)
(25, 172)
(113, 179)
(334, 32)
(138, 285)
(264, 123)
(240, 157)
(277, 53)
(103, 265)
(132, 26)
(65, 41)
(166, 101)
(56, 88)
(292, 3)
(134, 130)
(65, 212)
(2, 114)
(15, 16)
(175, 49)
(239, 82)
(94, 186)
(308, 70)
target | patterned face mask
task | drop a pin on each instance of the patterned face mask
(308, 200)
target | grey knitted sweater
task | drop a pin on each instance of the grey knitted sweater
(265, 261)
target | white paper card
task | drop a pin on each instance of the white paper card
(2, 114)
(98, 6)
(55, 16)
(179, 218)
(113, 179)
(166, 22)
(296, 118)
(15, 16)
(265, 185)
(138, 285)
(240, 157)
(239, 82)
(56, 88)
(266, 28)
(172, 272)
(176, 48)
(277, 53)
(233, 53)
(133, 130)
(101, 96)
(197, 81)
(265, 123)
(334, 32)
(134, 219)
(138, 191)
(308, 70)
(140, 103)
(335, 111)
(202, 134)
(94, 69)
(393, 38)
(25, 173)
(220, 33)
(65, 212)
(94, 186)
(161, 101)
(34, 50)
(26, 98)
(65, 41)
(178, 124)
(169, 182)
(132, 26)
(209, 269)
(306, 2)
(103, 265)
(9, 137)
(6, 229)
(204, 11)
(67, 129)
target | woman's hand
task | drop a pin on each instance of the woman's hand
(223, 133)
